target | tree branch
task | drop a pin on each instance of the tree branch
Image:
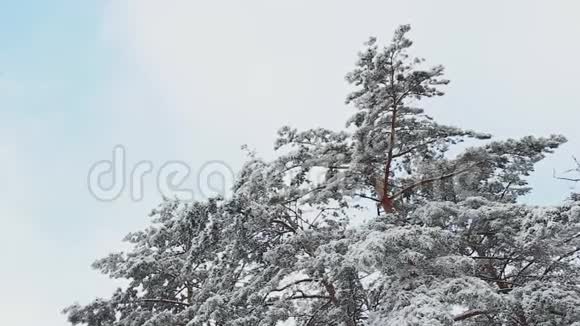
(433, 179)
(409, 150)
(551, 267)
(175, 302)
(471, 313)
(293, 283)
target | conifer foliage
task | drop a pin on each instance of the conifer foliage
(450, 244)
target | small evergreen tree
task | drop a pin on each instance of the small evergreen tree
(450, 245)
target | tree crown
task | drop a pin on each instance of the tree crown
(450, 244)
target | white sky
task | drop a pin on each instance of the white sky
(193, 81)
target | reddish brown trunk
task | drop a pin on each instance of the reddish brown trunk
(387, 204)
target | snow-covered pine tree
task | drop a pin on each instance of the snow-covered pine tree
(451, 245)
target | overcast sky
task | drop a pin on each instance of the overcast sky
(193, 80)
